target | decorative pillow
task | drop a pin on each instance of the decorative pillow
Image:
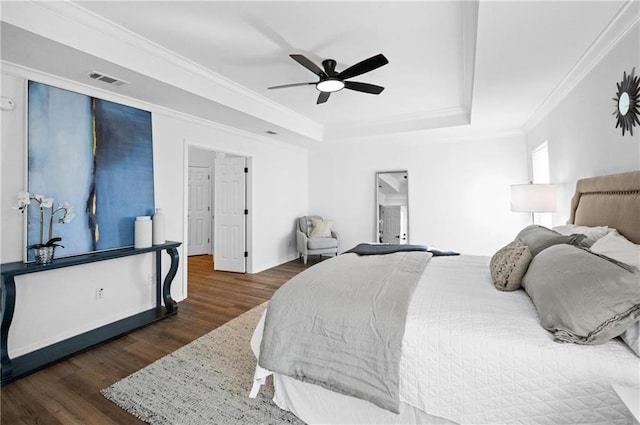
(538, 238)
(321, 228)
(631, 337)
(581, 297)
(509, 265)
(619, 248)
(592, 233)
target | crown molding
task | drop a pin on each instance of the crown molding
(627, 18)
(25, 73)
(449, 117)
(76, 27)
(469, 43)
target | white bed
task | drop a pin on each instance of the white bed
(474, 355)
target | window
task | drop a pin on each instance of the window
(540, 173)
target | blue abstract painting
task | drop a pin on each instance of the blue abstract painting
(97, 156)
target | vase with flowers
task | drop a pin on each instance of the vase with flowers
(44, 251)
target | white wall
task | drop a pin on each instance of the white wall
(458, 189)
(580, 130)
(57, 304)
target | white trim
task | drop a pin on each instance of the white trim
(419, 121)
(72, 25)
(469, 51)
(22, 72)
(620, 26)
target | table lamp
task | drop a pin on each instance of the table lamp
(533, 198)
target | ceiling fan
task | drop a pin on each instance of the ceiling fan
(332, 81)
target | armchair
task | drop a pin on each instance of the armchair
(318, 242)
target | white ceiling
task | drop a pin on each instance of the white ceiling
(469, 65)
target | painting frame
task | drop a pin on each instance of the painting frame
(97, 155)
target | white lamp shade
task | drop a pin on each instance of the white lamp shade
(533, 198)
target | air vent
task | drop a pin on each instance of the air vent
(94, 75)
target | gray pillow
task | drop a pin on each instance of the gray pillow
(582, 297)
(509, 265)
(538, 238)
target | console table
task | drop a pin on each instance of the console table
(26, 364)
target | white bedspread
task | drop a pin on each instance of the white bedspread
(477, 355)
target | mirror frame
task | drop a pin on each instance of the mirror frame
(376, 229)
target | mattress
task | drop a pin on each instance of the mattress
(476, 355)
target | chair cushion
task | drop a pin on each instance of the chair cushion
(304, 223)
(322, 243)
(321, 228)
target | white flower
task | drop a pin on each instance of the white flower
(24, 200)
(67, 217)
(21, 205)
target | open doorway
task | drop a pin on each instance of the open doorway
(217, 207)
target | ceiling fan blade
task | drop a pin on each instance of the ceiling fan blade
(304, 61)
(323, 97)
(363, 87)
(290, 85)
(365, 66)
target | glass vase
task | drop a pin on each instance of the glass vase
(44, 255)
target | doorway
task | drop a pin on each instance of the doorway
(219, 226)
(199, 218)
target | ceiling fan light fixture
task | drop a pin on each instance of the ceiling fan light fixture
(330, 85)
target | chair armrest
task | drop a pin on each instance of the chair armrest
(301, 239)
(336, 236)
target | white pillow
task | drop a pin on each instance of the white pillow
(619, 248)
(592, 233)
(321, 228)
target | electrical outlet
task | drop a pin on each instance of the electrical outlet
(99, 293)
(290, 243)
(150, 279)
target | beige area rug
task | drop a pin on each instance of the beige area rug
(205, 382)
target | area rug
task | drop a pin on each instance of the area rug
(205, 382)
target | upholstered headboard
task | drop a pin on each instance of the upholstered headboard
(612, 201)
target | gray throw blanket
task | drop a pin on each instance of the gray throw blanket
(340, 324)
(382, 249)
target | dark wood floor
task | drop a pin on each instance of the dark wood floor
(69, 392)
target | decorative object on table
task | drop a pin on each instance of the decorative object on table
(158, 227)
(143, 232)
(43, 251)
(533, 198)
(108, 146)
(627, 101)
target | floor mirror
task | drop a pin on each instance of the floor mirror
(392, 207)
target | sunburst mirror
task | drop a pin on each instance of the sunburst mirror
(627, 102)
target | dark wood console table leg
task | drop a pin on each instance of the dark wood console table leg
(8, 306)
(169, 302)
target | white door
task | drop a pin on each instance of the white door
(230, 218)
(199, 214)
(391, 224)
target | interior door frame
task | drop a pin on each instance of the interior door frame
(187, 143)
